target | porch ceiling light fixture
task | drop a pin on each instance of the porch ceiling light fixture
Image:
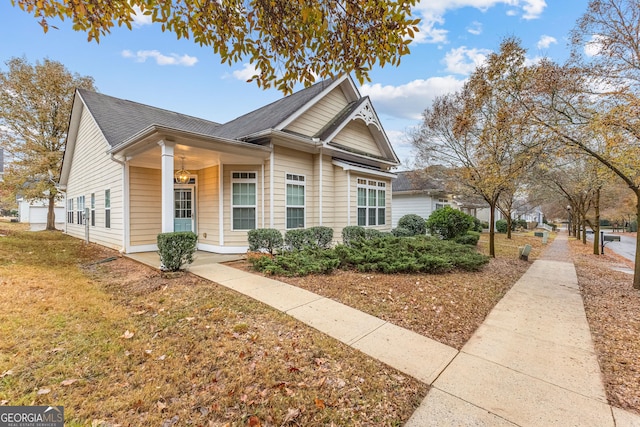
(182, 176)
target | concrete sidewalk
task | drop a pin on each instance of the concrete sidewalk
(531, 363)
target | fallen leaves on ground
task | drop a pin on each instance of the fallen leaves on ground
(613, 309)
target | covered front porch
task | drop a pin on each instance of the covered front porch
(182, 182)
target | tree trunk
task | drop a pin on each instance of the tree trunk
(584, 230)
(492, 230)
(509, 225)
(51, 214)
(596, 226)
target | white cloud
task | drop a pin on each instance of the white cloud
(247, 71)
(475, 28)
(533, 8)
(408, 101)
(546, 41)
(463, 60)
(139, 19)
(432, 13)
(594, 46)
(161, 59)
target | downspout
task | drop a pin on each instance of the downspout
(125, 204)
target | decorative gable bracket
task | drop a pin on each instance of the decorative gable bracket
(366, 114)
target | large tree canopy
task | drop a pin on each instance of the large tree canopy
(286, 40)
(35, 105)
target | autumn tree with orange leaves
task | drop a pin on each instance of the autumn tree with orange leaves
(287, 41)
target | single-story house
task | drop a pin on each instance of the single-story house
(317, 157)
(418, 192)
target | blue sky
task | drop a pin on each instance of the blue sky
(148, 66)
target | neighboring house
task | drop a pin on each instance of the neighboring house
(317, 157)
(35, 213)
(418, 192)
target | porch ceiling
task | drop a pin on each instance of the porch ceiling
(194, 158)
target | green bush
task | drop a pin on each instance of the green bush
(297, 263)
(321, 236)
(264, 239)
(519, 223)
(372, 233)
(352, 233)
(478, 225)
(501, 226)
(176, 249)
(298, 239)
(471, 238)
(414, 223)
(449, 223)
(401, 232)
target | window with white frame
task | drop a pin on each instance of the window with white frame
(295, 200)
(70, 211)
(441, 203)
(372, 201)
(243, 200)
(80, 210)
(107, 208)
(93, 209)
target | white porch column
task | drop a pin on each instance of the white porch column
(167, 185)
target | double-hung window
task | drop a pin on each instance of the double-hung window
(243, 200)
(107, 208)
(70, 210)
(295, 200)
(80, 210)
(441, 203)
(372, 200)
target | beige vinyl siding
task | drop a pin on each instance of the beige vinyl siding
(296, 162)
(340, 205)
(239, 238)
(328, 190)
(208, 206)
(145, 201)
(323, 112)
(357, 135)
(92, 171)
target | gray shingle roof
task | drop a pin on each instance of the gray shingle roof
(120, 119)
(417, 181)
(271, 115)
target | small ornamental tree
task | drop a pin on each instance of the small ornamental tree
(449, 223)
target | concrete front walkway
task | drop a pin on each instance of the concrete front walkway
(531, 363)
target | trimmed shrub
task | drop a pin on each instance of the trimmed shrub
(176, 249)
(372, 233)
(414, 223)
(470, 238)
(449, 223)
(519, 223)
(298, 239)
(501, 226)
(477, 225)
(401, 232)
(321, 236)
(264, 239)
(352, 233)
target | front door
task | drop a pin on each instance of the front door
(184, 211)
